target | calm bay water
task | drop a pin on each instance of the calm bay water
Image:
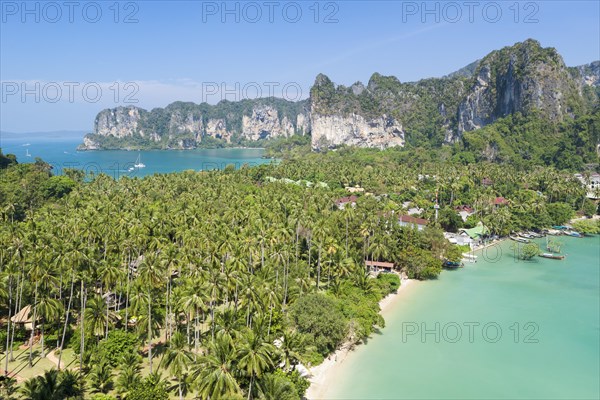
(553, 352)
(62, 153)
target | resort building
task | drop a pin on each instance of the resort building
(412, 222)
(464, 212)
(377, 266)
(592, 184)
(342, 202)
(476, 234)
(460, 239)
(354, 189)
(411, 210)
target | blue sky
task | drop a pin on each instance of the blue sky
(191, 50)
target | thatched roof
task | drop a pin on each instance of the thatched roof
(23, 316)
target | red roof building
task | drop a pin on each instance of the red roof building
(341, 203)
(410, 221)
(500, 201)
(464, 208)
(380, 264)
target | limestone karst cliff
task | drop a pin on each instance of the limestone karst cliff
(523, 78)
(187, 125)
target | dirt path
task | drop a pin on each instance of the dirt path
(54, 359)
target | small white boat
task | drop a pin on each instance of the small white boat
(525, 235)
(138, 162)
(469, 258)
(27, 153)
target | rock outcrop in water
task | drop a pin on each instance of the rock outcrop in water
(187, 125)
(524, 78)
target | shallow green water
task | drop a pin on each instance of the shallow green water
(556, 356)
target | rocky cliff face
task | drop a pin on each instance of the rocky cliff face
(589, 74)
(524, 78)
(521, 78)
(384, 113)
(119, 122)
(187, 125)
(265, 123)
(329, 131)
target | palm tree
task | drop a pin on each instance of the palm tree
(53, 385)
(130, 374)
(273, 387)
(70, 385)
(177, 359)
(110, 274)
(152, 277)
(292, 347)
(215, 371)
(101, 378)
(95, 317)
(255, 356)
(49, 309)
(193, 302)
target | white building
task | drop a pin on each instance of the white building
(592, 184)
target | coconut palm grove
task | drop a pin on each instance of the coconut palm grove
(221, 284)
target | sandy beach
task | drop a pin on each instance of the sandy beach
(326, 371)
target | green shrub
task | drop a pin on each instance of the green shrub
(318, 316)
(560, 213)
(118, 344)
(388, 283)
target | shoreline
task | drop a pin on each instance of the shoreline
(324, 372)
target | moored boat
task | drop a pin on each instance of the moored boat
(452, 264)
(469, 258)
(552, 256)
(519, 239)
(573, 234)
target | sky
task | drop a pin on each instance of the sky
(61, 62)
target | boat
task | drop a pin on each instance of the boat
(27, 153)
(552, 256)
(560, 227)
(573, 234)
(519, 239)
(138, 162)
(469, 258)
(535, 234)
(525, 235)
(452, 264)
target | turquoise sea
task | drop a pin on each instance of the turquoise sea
(507, 329)
(61, 152)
